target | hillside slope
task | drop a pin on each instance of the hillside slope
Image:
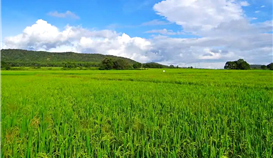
(25, 56)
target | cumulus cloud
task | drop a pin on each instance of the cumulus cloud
(222, 25)
(199, 16)
(67, 14)
(222, 28)
(44, 36)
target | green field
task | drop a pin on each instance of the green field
(137, 113)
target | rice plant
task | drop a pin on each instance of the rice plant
(179, 113)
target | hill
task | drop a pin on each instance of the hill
(154, 65)
(18, 57)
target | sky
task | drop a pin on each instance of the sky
(198, 33)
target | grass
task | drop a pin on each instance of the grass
(137, 113)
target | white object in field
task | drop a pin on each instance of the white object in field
(163, 70)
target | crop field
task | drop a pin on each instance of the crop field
(137, 113)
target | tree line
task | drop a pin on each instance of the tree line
(241, 64)
(24, 57)
(106, 64)
(121, 64)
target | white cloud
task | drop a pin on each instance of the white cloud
(199, 16)
(67, 14)
(244, 3)
(155, 22)
(222, 25)
(44, 36)
(165, 32)
(265, 27)
(123, 45)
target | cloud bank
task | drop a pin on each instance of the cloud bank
(222, 27)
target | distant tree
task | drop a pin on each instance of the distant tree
(5, 65)
(243, 65)
(106, 64)
(137, 65)
(230, 65)
(69, 65)
(36, 66)
(239, 64)
(121, 64)
(270, 66)
(263, 67)
(153, 65)
(171, 66)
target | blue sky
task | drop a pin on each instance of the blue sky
(120, 15)
(166, 31)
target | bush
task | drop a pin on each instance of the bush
(137, 65)
(5, 65)
(263, 67)
(152, 65)
(239, 64)
(121, 65)
(106, 64)
(270, 66)
(69, 65)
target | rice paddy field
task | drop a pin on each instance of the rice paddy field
(137, 113)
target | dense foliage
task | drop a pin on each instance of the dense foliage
(137, 65)
(263, 67)
(153, 65)
(119, 64)
(107, 64)
(179, 113)
(5, 65)
(270, 66)
(17, 57)
(239, 64)
(69, 60)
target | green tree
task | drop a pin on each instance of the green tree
(106, 64)
(243, 65)
(270, 66)
(263, 67)
(121, 64)
(230, 65)
(69, 65)
(153, 65)
(137, 65)
(36, 66)
(239, 64)
(5, 65)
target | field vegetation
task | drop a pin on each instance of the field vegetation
(137, 113)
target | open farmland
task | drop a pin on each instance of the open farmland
(137, 113)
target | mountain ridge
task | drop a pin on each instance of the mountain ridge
(43, 57)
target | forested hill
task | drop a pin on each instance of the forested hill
(25, 57)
